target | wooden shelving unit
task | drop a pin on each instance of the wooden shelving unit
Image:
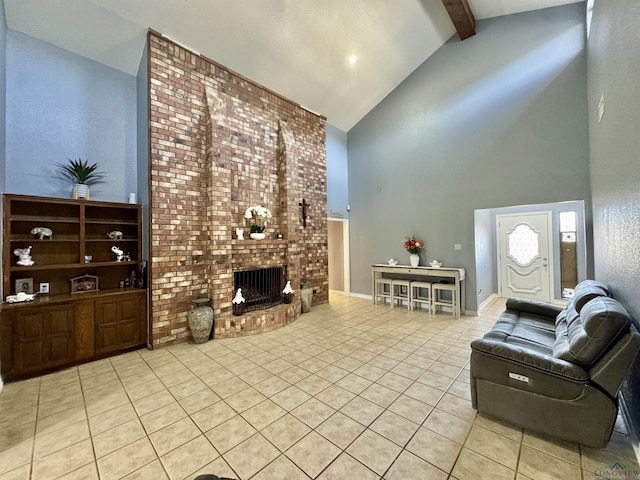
(61, 328)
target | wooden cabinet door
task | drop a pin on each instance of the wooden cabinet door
(43, 337)
(117, 323)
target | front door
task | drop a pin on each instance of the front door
(524, 260)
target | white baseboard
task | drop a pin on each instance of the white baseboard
(361, 295)
(1, 384)
(486, 302)
(339, 292)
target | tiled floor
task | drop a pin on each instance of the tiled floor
(349, 391)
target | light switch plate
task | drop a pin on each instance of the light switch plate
(457, 246)
(44, 287)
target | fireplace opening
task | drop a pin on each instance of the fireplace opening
(261, 288)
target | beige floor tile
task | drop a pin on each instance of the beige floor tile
(473, 466)
(272, 385)
(63, 461)
(458, 407)
(142, 390)
(354, 383)
(218, 467)
(566, 451)
(335, 396)
(212, 416)
(47, 443)
(345, 467)
(278, 366)
(151, 471)
(230, 433)
(290, 397)
(245, 399)
(313, 412)
(536, 464)
(61, 420)
(498, 426)
(332, 373)
(229, 387)
(494, 446)
(162, 417)
(263, 414)
(340, 429)
(374, 450)
(174, 435)
(370, 372)
(349, 363)
(20, 473)
(251, 456)
(460, 389)
(407, 370)
(362, 410)
(59, 405)
(197, 401)
(117, 437)
(188, 458)
(619, 449)
(424, 393)
(87, 472)
(255, 375)
(125, 460)
(285, 431)
(448, 425)
(411, 408)
(395, 381)
(16, 447)
(153, 402)
(434, 448)
(408, 466)
(111, 418)
(394, 427)
(313, 384)
(380, 395)
(312, 454)
(283, 468)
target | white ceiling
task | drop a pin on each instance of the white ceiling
(298, 48)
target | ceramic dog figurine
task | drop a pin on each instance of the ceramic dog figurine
(42, 232)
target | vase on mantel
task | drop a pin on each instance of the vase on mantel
(200, 320)
(414, 260)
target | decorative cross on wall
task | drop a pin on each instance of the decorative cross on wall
(304, 206)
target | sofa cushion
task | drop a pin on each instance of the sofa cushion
(584, 292)
(583, 338)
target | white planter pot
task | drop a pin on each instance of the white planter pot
(414, 260)
(258, 236)
(80, 190)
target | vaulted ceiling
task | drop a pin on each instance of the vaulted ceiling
(298, 48)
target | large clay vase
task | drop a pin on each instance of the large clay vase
(201, 320)
(414, 260)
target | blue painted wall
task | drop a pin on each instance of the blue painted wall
(59, 106)
(3, 98)
(614, 70)
(497, 120)
(337, 171)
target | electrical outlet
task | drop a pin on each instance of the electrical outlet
(44, 287)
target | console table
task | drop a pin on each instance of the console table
(458, 274)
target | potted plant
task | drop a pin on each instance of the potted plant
(414, 247)
(258, 216)
(81, 175)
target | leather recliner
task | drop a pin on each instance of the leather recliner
(556, 371)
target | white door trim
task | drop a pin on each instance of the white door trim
(345, 246)
(551, 266)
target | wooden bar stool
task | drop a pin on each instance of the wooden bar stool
(417, 298)
(383, 290)
(439, 301)
(400, 290)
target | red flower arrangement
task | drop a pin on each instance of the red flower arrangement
(413, 245)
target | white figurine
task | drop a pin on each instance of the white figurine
(42, 232)
(120, 255)
(24, 256)
(393, 262)
(240, 233)
(115, 235)
(238, 298)
(436, 264)
(287, 289)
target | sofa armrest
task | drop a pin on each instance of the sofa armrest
(521, 356)
(534, 307)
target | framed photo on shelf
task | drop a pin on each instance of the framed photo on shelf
(24, 285)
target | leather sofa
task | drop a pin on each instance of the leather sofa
(556, 370)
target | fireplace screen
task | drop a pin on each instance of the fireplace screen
(261, 288)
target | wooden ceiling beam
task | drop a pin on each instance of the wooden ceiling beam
(461, 17)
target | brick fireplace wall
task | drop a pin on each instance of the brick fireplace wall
(220, 143)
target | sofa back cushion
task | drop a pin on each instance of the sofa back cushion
(582, 337)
